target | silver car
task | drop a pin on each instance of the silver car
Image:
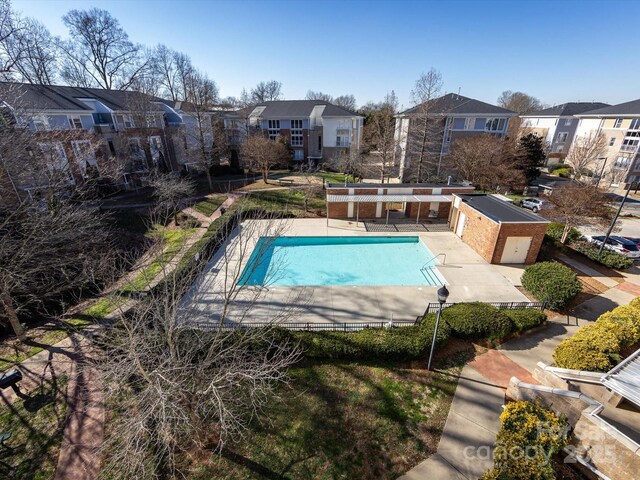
(534, 204)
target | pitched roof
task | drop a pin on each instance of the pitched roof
(627, 108)
(453, 103)
(567, 109)
(57, 97)
(301, 108)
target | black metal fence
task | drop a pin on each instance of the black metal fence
(433, 307)
(309, 326)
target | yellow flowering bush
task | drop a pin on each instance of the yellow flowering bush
(529, 436)
(598, 347)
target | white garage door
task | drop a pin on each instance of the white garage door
(516, 249)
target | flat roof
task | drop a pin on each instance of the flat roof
(499, 210)
(388, 198)
(624, 378)
(397, 185)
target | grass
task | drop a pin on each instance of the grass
(173, 241)
(285, 201)
(342, 420)
(36, 424)
(333, 177)
(209, 205)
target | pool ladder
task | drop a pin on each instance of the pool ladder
(429, 273)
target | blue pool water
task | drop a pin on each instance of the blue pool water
(348, 261)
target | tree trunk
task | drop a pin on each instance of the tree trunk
(7, 303)
(265, 175)
(565, 233)
(209, 179)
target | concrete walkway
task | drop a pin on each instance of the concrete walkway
(473, 422)
(596, 275)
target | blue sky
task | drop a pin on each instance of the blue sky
(556, 50)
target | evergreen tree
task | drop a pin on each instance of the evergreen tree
(533, 155)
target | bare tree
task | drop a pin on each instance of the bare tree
(9, 25)
(180, 379)
(519, 102)
(266, 91)
(325, 97)
(32, 52)
(346, 101)
(261, 154)
(379, 136)
(47, 253)
(426, 138)
(353, 163)
(173, 71)
(99, 52)
(578, 204)
(488, 162)
(202, 94)
(585, 151)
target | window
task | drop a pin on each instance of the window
(136, 155)
(155, 146)
(635, 124)
(85, 156)
(459, 123)
(495, 124)
(40, 123)
(568, 121)
(112, 149)
(274, 129)
(617, 123)
(125, 121)
(470, 124)
(298, 154)
(622, 162)
(629, 145)
(343, 137)
(56, 159)
(559, 148)
(320, 142)
(612, 141)
(562, 137)
(296, 133)
(75, 123)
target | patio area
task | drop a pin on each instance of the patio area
(468, 277)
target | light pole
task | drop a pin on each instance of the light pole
(615, 218)
(443, 294)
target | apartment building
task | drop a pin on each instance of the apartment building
(316, 130)
(454, 116)
(620, 125)
(557, 126)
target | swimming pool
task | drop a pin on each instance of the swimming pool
(346, 261)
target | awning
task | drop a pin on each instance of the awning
(624, 379)
(373, 198)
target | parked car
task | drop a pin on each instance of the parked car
(633, 239)
(621, 245)
(535, 204)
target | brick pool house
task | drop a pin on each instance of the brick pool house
(497, 230)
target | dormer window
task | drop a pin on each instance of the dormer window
(75, 123)
(125, 121)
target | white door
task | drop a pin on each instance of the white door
(460, 227)
(516, 249)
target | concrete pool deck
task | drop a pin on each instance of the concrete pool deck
(468, 277)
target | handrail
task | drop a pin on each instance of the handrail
(433, 258)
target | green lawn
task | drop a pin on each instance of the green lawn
(285, 201)
(333, 177)
(209, 205)
(173, 241)
(342, 420)
(36, 424)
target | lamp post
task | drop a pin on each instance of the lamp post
(615, 218)
(443, 294)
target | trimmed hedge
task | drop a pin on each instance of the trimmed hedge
(401, 343)
(525, 319)
(477, 320)
(608, 258)
(529, 436)
(555, 229)
(598, 347)
(551, 282)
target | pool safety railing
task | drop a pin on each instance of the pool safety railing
(427, 269)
